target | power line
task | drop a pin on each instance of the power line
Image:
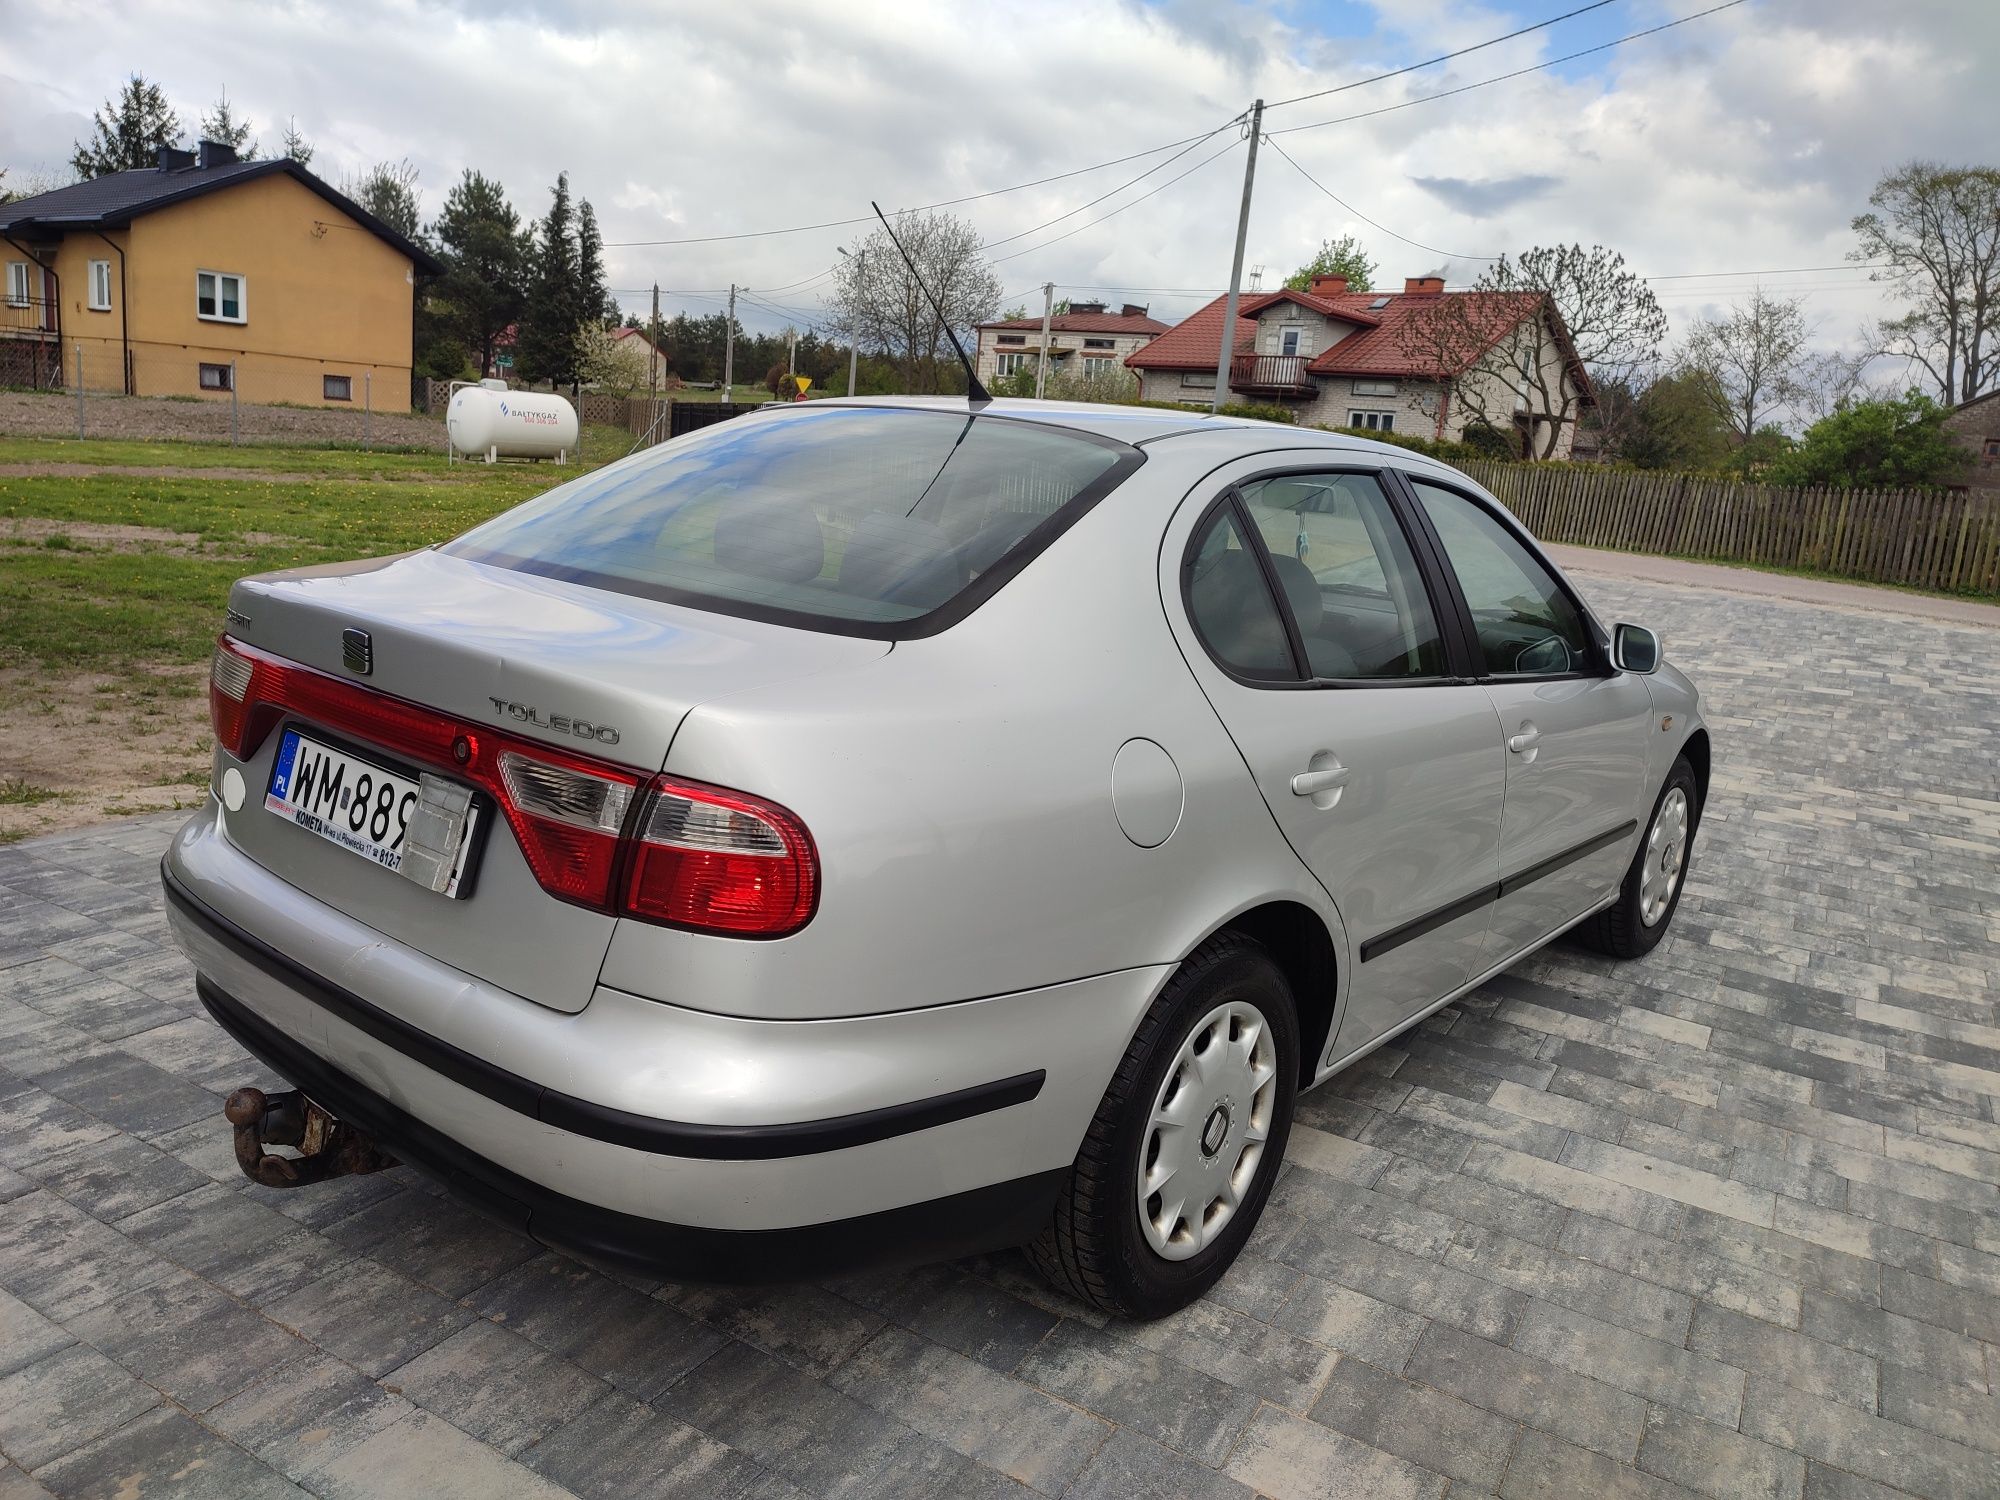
(758, 234)
(1503, 77)
(1361, 83)
(1215, 156)
(1852, 265)
(1134, 182)
(1431, 249)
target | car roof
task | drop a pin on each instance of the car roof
(1141, 425)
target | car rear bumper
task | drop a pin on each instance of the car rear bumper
(698, 1145)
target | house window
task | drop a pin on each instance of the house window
(1374, 387)
(1013, 338)
(1372, 421)
(100, 286)
(1095, 366)
(215, 377)
(1008, 364)
(1291, 340)
(17, 283)
(1099, 344)
(1198, 380)
(337, 387)
(218, 297)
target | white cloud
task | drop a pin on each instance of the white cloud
(1742, 141)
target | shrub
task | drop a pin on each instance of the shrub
(1874, 444)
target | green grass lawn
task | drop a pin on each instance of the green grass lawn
(98, 598)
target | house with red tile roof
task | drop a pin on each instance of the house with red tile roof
(1423, 361)
(1087, 340)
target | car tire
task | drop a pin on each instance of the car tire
(1194, 1078)
(1633, 925)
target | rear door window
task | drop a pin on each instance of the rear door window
(879, 521)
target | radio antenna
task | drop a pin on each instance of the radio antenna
(975, 393)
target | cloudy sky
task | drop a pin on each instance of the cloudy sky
(1738, 143)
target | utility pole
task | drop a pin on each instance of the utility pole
(791, 351)
(854, 345)
(729, 338)
(1048, 308)
(1228, 339)
(653, 360)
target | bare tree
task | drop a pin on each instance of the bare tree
(1540, 328)
(1754, 360)
(877, 302)
(1938, 228)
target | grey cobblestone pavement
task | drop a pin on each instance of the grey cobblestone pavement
(1725, 1222)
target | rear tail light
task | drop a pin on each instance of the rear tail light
(720, 861)
(678, 853)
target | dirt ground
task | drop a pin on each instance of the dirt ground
(94, 746)
(149, 471)
(53, 414)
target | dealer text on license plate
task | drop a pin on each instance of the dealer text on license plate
(353, 802)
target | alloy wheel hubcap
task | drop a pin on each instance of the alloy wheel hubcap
(1206, 1134)
(1666, 856)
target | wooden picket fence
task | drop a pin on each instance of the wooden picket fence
(1944, 540)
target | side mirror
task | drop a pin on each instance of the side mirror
(1634, 648)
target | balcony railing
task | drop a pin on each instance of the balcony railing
(1269, 372)
(32, 317)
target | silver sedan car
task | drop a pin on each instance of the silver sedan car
(879, 831)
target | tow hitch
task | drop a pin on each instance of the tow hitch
(326, 1147)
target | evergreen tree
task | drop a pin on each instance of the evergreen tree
(592, 301)
(221, 125)
(296, 146)
(129, 131)
(551, 313)
(486, 259)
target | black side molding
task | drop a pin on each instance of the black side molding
(581, 1116)
(1430, 921)
(981, 1219)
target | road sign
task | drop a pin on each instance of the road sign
(803, 382)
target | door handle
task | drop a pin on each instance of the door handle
(1525, 741)
(1313, 783)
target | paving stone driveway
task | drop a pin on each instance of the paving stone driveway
(1721, 1222)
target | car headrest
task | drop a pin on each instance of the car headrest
(1301, 591)
(781, 541)
(901, 560)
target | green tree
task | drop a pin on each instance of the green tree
(551, 313)
(1676, 423)
(1874, 444)
(485, 256)
(1341, 257)
(295, 147)
(221, 125)
(388, 190)
(129, 131)
(1938, 228)
(1753, 363)
(595, 306)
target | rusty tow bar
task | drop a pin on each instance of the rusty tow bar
(326, 1147)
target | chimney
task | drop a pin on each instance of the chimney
(1131, 310)
(1086, 307)
(173, 159)
(1423, 286)
(1328, 286)
(215, 154)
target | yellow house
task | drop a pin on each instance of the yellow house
(203, 275)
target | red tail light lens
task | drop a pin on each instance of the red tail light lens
(720, 861)
(693, 855)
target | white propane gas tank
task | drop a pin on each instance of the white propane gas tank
(491, 422)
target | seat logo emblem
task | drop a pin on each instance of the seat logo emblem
(357, 652)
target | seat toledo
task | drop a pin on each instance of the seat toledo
(882, 830)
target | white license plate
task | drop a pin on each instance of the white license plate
(353, 802)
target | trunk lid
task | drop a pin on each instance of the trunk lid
(579, 669)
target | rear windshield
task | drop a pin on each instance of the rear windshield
(878, 521)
